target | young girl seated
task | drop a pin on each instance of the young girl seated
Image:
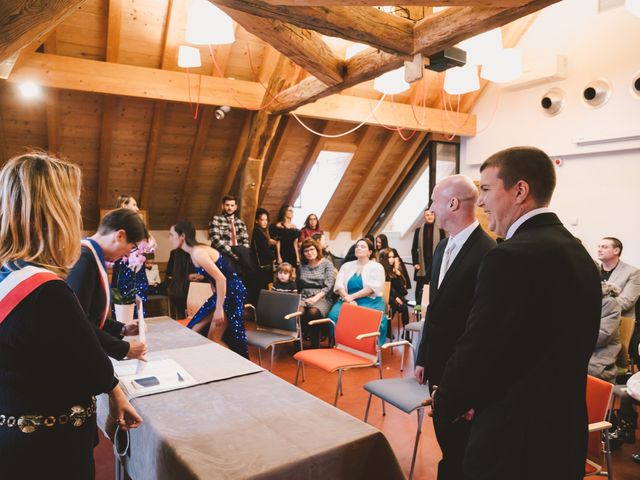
(393, 274)
(285, 279)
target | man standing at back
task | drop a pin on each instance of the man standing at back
(522, 360)
(228, 230)
(425, 239)
(453, 280)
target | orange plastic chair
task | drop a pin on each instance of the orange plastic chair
(598, 403)
(356, 337)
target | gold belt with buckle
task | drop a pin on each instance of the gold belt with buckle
(30, 423)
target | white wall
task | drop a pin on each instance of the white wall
(597, 184)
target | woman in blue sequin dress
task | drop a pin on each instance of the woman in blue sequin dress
(221, 317)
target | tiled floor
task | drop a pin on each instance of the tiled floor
(398, 427)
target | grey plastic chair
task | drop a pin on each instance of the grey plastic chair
(405, 394)
(277, 321)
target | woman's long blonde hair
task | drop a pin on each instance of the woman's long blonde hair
(40, 219)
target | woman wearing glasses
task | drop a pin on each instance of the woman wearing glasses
(118, 233)
(51, 363)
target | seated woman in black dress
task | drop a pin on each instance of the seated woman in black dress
(51, 363)
(398, 293)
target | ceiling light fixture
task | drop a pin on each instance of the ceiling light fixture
(189, 57)
(208, 25)
(30, 90)
(461, 80)
(505, 66)
(483, 47)
(391, 83)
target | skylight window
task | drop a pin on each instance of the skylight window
(321, 183)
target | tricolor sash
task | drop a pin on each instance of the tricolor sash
(18, 284)
(104, 279)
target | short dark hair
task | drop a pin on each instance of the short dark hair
(262, 211)
(525, 163)
(310, 242)
(229, 198)
(616, 243)
(369, 243)
(127, 220)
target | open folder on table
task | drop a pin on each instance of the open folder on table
(158, 375)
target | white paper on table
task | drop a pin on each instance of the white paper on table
(166, 372)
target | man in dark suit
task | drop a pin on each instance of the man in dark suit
(425, 238)
(453, 280)
(523, 357)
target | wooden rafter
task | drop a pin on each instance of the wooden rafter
(367, 25)
(372, 172)
(269, 61)
(24, 21)
(234, 165)
(278, 152)
(263, 128)
(431, 35)
(408, 159)
(304, 47)
(4, 151)
(317, 144)
(430, 3)
(52, 102)
(197, 151)
(329, 223)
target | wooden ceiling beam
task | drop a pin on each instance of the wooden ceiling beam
(132, 81)
(24, 21)
(197, 151)
(317, 145)
(234, 165)
(151, 156)
(372, 172)
(304, 47)
(365, 25)
(356, 109)
(431, 35)
(329, 219)
(404, 165)
(278, 152)
(425, 3)
(52, 102)
(4, 150)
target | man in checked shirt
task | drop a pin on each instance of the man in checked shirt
(228, 230)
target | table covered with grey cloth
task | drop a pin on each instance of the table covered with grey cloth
(252, 426)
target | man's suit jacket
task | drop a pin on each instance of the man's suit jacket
(627, 277)
(523, 357)
(450, 304)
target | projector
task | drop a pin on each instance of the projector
(447, 58)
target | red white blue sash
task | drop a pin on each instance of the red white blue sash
(104, 279)
(18, 284)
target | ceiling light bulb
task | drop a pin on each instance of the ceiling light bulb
(461, 80)
(189, 57)
(391, 83)
(208, 25)
(504, 67)
(30, 90)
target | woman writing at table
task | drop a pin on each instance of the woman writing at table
(360, 282)
(51, 363)
(221, 317)
(118, 233)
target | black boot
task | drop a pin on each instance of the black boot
(625, 432)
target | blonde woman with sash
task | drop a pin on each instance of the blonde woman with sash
(51, 364)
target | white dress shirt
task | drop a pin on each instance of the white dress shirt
(454, 245)
(532, 213)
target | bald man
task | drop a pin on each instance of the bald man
(453, 281)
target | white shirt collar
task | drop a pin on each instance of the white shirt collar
(462, 236)
(531, 213)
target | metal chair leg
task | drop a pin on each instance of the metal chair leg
(384, 412)
(402, 359)
(607, 453)
(297, 371)
(415, 446)
(366, 412)
(273, 350)
(338, 388)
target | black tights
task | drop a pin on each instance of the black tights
(312, 331)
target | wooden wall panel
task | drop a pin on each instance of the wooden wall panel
(84, 34)
(143, 23)
(25, 125)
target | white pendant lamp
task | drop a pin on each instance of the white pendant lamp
(208, 25)
(189, 57)
(461, 80)
(482, 48)
(391, 83)
(633, 6)
(505, 66)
